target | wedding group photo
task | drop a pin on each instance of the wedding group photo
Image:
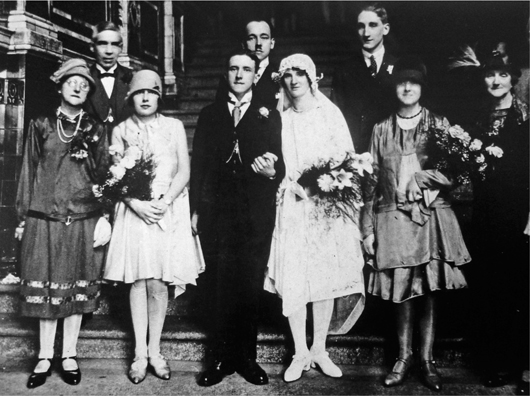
(264, 197)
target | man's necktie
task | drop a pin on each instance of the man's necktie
(236, 113)
(236, 116)
(373, 66)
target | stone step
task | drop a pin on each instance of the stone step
(212, 82)
(285, 41)
(319, 58)
(185, 339)
(218, 68)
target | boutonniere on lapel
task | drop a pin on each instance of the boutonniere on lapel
(389, 69)
(263, 113)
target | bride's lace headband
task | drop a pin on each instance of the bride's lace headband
(299, 62)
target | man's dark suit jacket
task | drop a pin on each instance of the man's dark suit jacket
(363, 99)
(237, 208)
(265, 90)
(98, 103)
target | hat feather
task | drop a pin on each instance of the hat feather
(466, 57)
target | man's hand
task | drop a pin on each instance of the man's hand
(413, 191)
(264, 165)
(194, 222)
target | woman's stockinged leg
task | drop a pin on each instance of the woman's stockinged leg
(71, 328)
(322, 311)
(297, 323)
(138, 302)
(405, 324)
(428, 326)
(157, 300)
(47, 330)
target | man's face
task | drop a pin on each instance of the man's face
(241, 72)
(107, 47)
(371, 30)
(259, 40)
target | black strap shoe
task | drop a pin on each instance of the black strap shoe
(71, 377)
(252, 372)
(216, 372)
(431, 377)
(37, 379)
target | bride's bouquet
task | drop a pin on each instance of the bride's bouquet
(130, 178)
(336, 184)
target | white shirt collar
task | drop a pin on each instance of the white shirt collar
(378, 56)
(262, 66)
(111, 70)
(245, 99)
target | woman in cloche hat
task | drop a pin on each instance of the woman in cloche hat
(62, 255)
(408, 225)
(152, 245)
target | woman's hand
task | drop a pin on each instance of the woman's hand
(264, 165)
(102, 232)
(368, 245)
(413, 190)
(194, 222)
(150, 212)
(19, 231)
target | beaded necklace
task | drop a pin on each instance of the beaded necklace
(60, 130)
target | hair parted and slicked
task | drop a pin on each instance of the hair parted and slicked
(105, 25)
(244, 31)
(239, 51)
(378, 10)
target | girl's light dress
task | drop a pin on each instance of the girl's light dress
(166, 250)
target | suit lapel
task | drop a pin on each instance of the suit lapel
(120, 89)
(99, 100)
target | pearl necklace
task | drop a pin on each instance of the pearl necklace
(414, 116)
(60, 129)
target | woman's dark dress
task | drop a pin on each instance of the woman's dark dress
(500, 215)
(61, 271)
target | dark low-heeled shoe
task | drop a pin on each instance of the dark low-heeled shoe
(71, 377)
(431, 377)
(37, 379)
(399, 371)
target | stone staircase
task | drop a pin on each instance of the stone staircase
(108, 332)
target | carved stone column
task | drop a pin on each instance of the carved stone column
(170, 81)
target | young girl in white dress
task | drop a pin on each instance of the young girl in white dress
(152, 245)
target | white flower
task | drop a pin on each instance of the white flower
(480, 159)
(457, 132)
(389, 69)
(363, 162)
(483, 167)
(95, 138)
(80, 154)
(264, 112)
(134, 152)
(114, 149)
(117, 171)
(342, 178)
(475, 145)
(325, 182)
(96, 190)
(495, 151)
(127, 162)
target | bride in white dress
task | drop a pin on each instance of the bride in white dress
(314, 258)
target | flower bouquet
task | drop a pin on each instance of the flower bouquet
(455, 152)
(337, 184)
(130, 178)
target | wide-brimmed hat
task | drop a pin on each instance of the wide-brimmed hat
(73, 67)
(410, 68)
(145, 79)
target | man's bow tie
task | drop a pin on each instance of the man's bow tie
(103, 75)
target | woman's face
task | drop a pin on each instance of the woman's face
(498, 83)
(296, 83)
(145, 103)
(74, 91)
(408, 93)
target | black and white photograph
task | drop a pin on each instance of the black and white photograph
(264, 197)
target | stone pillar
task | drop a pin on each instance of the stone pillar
(170, 81)
(124, 58)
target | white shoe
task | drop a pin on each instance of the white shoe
(326, 365)
(299, 364)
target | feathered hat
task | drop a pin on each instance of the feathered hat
(467, 57)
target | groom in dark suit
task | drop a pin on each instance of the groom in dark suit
(362, 87)
(236, 168)
(108, 103)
